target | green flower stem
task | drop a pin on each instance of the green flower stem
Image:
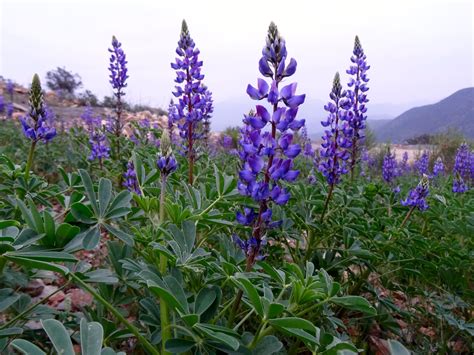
(164, 310)
(326, 204)
(314, 306)
(407, 217)
(29, 162)
(141, 339)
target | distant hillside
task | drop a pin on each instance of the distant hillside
(455, 111)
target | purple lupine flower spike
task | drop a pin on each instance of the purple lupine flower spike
(421, 164)
(306, 143)
(166, 161)
(131, 180)
(404, 167)
(417, 196)
(438, 167)
(2, 104)
(462, 169)
(337, 137)
(357, 94)
(38, 123)
(267, 148)
(193, 103)
(118, 79)
(389, 168)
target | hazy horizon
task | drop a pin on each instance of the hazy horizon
(419, 51)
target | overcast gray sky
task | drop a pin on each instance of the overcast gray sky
(420, 51)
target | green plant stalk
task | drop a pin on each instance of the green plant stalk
(141, 339)
(164, 310)
(407, 217)
(326, 204)
(29, 162)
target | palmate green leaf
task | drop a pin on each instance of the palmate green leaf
(178, 346)
(83, 213)
(162, 291)
(204, 300)
(6, 333)
(37, 264)
(124, 237)
(252, 294)
(89, 188)
(59, 336)
(223, 338)
(27, 348)
(276, 275)
(7, 298)
(355, 303)
(268, 345)
(91, 238)
(120, 205)
(9, 223)
(26, 213)
(105, 195)
(92, 335)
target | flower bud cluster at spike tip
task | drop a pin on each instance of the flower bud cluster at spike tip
(118, 67)
(193, 101)
(131, 180)
(438, 167)
(166, 161)
(267, 147)
(417, 196)
(389, 168)
(462, 169)
(37, 124)
(337, 137)
(358, 97)
(421, 164)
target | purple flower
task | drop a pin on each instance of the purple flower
(462, 170)
(118, 79)
(99, 146)
(337, 137)
(417, 196)
(118, 68)
(131, 180)
(438, 168)
(207, 110)
(227, 142)
(38, 123)
(421, 164)
(306, 143)
(403, 166)
(10, 110)
(358, 98)
(267, 146)
(194, 100)
(166, 161)
(2, 104)
(250, 246)
(389, 168)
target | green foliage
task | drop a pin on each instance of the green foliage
(323, 288)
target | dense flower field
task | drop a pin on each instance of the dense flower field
(252, 243)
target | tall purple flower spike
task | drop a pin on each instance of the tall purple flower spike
(357, 94)
(267, 146)
(417, 196)
(438, 167)
(421, 164)
(118, 79)
(192, 101)
(462, 169)
(38, 123)
(389, 168)
(337, 136)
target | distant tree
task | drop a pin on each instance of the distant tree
(87, 98)
(421, 139)
(62, 80)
